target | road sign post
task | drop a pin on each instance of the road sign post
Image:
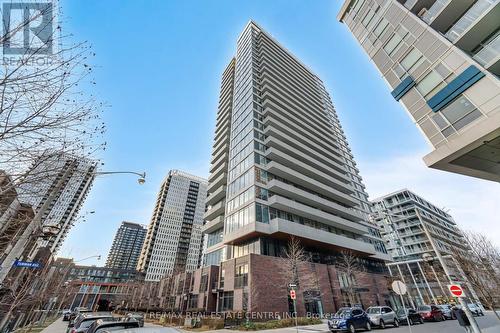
(293, 297)
(400, 288)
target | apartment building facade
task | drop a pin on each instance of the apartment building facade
(281, 167)
(173, 239)
(441, 59)
(407, 239)
(127, 245)
(403, 231)
(63, 182)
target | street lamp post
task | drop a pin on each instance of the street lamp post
(17, 250)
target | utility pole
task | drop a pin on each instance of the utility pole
(472, 320)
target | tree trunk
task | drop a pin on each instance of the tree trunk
(5, 320)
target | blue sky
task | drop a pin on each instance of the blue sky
(158, 66)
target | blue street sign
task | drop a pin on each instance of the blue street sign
(27, 264)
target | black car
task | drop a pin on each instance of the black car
(101, 325)
(85, 320)
(413, 316)
(349, 320)
(66, 315)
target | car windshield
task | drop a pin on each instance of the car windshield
(424, 308)
(373, 310)
(343, 313)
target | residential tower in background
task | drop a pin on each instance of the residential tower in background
(127, 245)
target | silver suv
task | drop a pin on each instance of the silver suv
(382, 315)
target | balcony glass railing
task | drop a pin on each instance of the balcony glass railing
(468, 19)
(434, 10)
(410, 3)
(489, 52)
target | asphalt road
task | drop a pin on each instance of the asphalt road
(488, 324)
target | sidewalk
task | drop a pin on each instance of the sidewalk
(302, 329)
(59, 326)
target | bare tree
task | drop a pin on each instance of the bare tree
(293, 256)
(349, 267)
(22, 293)
(481, 266)
(44, 111)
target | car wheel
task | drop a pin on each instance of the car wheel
(368, 326)
(381, 324)
(352, 329)
(396, 322)
(421, 321)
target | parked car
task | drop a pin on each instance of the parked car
(84, 320)
(350, 320)
(413, 316)
(475, 309)
(447, 313)
(430, 312)
(75, 313)
(381, 316)
(136, 316)
(66, 315)
(113, 324)
(154, 329)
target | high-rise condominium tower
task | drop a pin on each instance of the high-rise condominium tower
(173, 239)
(127, 246)
(64, 181)
(441, 59)
(281, 166)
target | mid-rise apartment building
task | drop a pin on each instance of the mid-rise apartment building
(127, 245)
(62, 182)
(441, 59)
(173, 239)
(408, 223)
(281, 167)
(403, 230)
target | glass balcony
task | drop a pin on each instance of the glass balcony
(410, 3)
(489, 52)
(470, 17)
(434, 10)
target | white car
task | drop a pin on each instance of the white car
(382, 315)
(475, 309)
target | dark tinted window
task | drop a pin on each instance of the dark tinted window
(356, 312)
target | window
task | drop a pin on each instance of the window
(226, 301)
(412, 60)
(204, 283)
(430, 84)
(392, 44)
(368, 17)
(456, 115)
(241, 276)
(261, 193)
(261, 213)
(221, 280)
(381, 27)
(193, 302)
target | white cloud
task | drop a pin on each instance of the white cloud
(473, 203)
